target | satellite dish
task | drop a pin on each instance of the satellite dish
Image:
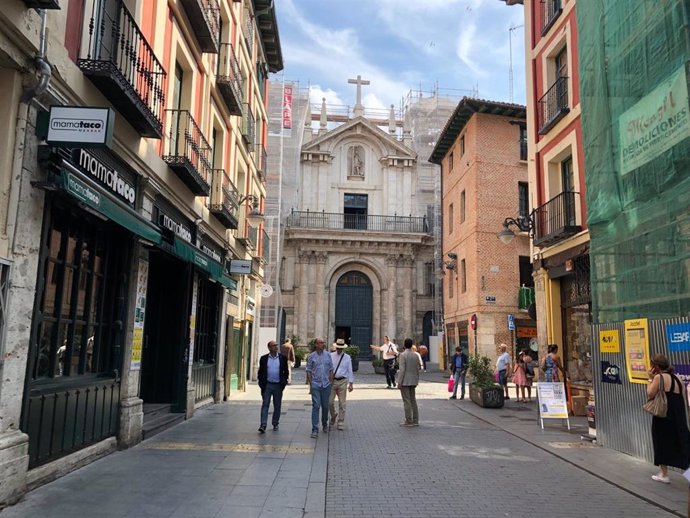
(266, 290)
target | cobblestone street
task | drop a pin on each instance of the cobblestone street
(459, 462)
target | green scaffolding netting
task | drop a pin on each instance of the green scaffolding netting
(633, 65)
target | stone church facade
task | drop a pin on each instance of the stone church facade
(358, 248)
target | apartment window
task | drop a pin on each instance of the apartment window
(553, 105)
(463, 276)
(450, 162)
(550, 11)
(462, 145)
(526, 278)
(523, 142)
(450, 218)
(568, 188)
(523, 201)
(462, 207)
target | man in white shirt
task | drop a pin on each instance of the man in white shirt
(390, 352)
(502, 367)
(342, 382)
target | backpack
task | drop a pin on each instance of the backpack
(529, 369)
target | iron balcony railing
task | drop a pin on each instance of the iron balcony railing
(265, 246)
(550, 11)
(336, 221)
(556, 219)
(122, 65)
(261, 160)
(224, 198)
(253, 237)
(249, 31)
(229, 79)
(553, 105)
(204, 18)
(187, 151)
(248, 126)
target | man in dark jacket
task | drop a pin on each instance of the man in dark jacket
(459, 365)
(273, 376)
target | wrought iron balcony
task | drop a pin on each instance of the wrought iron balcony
(187, 151)
(556, 220)
(550, 11)
(224, 198)
(253, 238)
(248, 126)
(204, 17)
(122, 65)
(261, 160)
(249, 31)
(335, 221)
(229, 79)
(265, 247)
(553, 105)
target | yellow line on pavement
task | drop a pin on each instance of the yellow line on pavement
(239, 447)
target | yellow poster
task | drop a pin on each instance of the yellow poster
(637, 350)
(609, 341)
(137, 343)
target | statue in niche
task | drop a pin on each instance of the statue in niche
(356, 161)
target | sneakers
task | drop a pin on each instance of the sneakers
(341, 426)
(275, 427)
(262, 429)
(405, 423)
(453, 397)
(661, 478)
(325, 428)
(314, 434)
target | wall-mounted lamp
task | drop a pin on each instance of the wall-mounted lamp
(452, 265)
(523, 223)
(254, 216)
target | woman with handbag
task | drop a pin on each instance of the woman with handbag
(670, 434)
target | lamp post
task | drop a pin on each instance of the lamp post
(523, 224)
(254, 217)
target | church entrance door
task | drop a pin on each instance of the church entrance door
(353, 310)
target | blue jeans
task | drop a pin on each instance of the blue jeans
(275, 391)
(319, 401)
(459, 376)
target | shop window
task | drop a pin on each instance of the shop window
(463, 276)
(462, 145)
(81, 301)
(462, 207)
(450, 162)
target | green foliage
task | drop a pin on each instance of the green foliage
(353, 351)
(312, 344)
(300, 353)
(377, 362)
(295, 339)
(481, 371)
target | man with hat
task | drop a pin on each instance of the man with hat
(342, 382)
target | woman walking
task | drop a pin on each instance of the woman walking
(670, 434)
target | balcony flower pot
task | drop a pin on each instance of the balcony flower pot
(353, 351)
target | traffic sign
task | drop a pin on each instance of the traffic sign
(511, 322)
(473, 322)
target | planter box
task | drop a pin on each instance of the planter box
(380, 370)
(355, 364)
(487, 398)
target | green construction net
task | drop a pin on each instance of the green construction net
(633, 57)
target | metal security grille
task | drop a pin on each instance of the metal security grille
(205, 340)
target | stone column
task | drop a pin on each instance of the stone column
(303, 315)
(311, 300)
(321, 309)
(541, 284)
(220, 352)
(408, 317)
(392, 325)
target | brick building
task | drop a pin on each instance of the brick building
(481, 151)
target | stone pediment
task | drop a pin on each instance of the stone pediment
(362, 128)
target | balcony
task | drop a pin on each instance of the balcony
(248, 126)
(122, 65)
(229, 79)
(261, 160)
(204, 18)
(553, 105)
(224, 198)
(265, 247)
(556, 220)
(249, 32)
(335, 221)
(550, 11)
(187, 151)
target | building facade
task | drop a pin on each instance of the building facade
(119, 253)
(481, 152)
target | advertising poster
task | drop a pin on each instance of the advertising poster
(637, 350)
(287, 107)
(609, 341)
(139, 314)
(552, 403)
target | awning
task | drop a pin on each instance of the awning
(204, 262)
(88, 193)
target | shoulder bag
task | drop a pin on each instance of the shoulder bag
(657, 406)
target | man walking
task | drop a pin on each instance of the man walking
(289, 352)
(459, 368)
(390, 352)
(343, 378)
(319, 378)
(503, 368)
(407, 382)
(273, 376)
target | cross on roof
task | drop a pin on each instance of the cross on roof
(359, 108)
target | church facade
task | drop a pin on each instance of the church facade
(358, 247)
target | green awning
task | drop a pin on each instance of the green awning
(204, 262)
(93, 196)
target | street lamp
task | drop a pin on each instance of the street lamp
(254, 217)
(523, 223)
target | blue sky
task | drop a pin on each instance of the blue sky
(400, 45)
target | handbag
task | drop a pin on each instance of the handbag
(657, 406)
(451, 384)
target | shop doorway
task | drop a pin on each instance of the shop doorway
(353, 310)
(163, 371)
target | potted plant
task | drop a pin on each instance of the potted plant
(378, 366)
(484, 390)
(353, 351)
(299, 356)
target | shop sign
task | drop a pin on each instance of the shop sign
(287, 107)
(610, 373)
(179, 229)
(526, 332)
(511, 322)
(105, 175)
(210, 250)
(678, 337)
(656, 123)
(609, 341)
(239, 266)
(76, 126)
(683, 372)
(552, 404)
(637, 350)
(83, 192)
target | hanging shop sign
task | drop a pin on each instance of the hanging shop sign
(637, 350)
(678, 337)
(656, 123)
(117, 182)
(239, 266)
(609, 341)
(77, 126)
(610, 373)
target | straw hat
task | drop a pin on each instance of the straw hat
(340, 344)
